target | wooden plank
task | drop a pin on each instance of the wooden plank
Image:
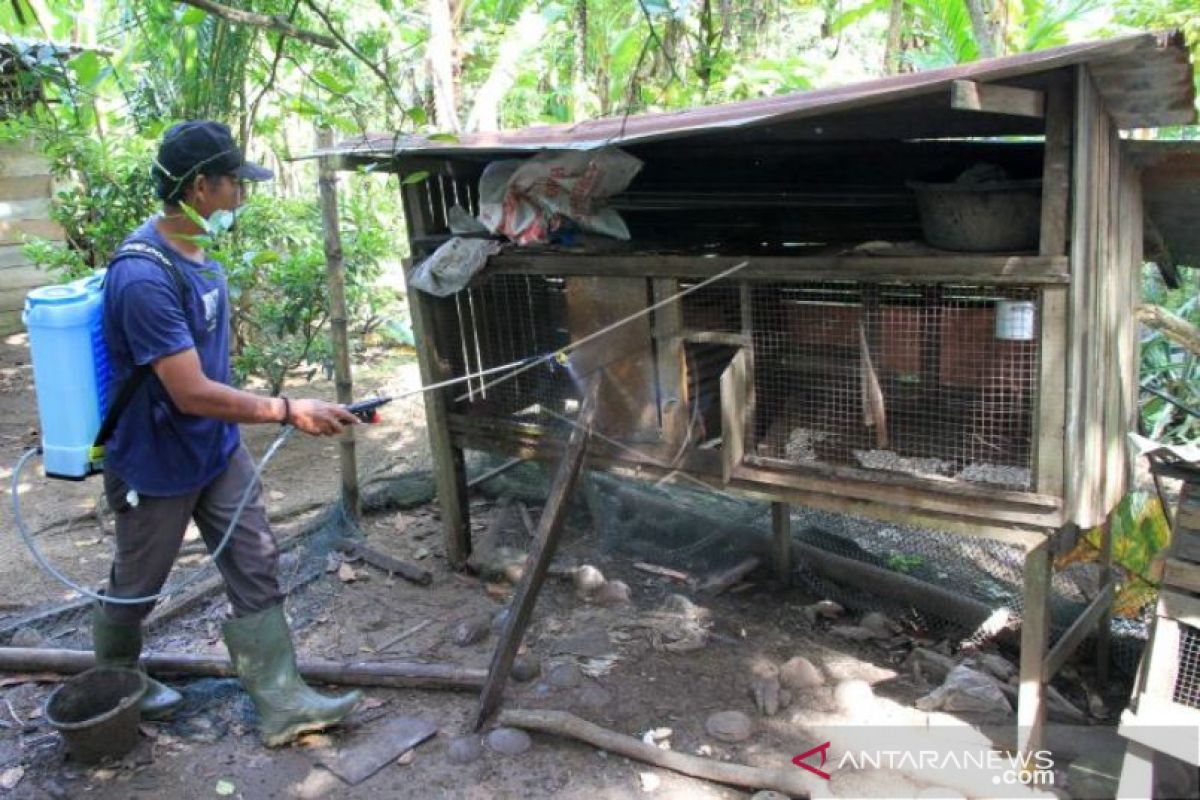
(1051, 416)
(995, 98)
(450, 474)
(781, 551)
(22, 161)
(1084, 624)
(23, 276)
(18, 231)
(1182, 575)
(1035, 633)
(1077, 489)
(1056, 169)
(33, 208)
(673, 399)
(733, 415)
(24, 187)
(984, 269)
(912, 508)
(550, 524)
(1179, 607)
(1137, 771)
(628, 401)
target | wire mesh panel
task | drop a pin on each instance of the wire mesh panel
(505, 321)
(927, 381)
(1187, 679)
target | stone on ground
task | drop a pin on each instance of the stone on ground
(729, 726)
(509, 741)
(800, 673)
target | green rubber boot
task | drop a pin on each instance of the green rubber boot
(260, 646)
(121, 646)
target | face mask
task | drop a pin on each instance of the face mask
(223, 221)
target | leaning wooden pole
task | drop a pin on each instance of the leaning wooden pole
(538, 563)
(394, 674)
(335, 277)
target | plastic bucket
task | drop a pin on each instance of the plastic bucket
(980, 217)
(97, 712)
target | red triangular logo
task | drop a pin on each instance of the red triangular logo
(823, 750)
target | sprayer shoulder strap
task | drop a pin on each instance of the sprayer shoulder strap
(142, 249)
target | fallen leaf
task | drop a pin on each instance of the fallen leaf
(277, 495)
(149, 731)
(346, 573)
(422, 552)
(315, 740)
(225, 788)
(406, 758)
(371, 703)
(400, 523)
(10, 777)
(104, 774)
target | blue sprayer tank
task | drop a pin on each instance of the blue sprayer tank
(71, 372)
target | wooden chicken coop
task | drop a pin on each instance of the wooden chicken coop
(849, 365)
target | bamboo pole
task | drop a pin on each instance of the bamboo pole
(394, 674)
(335, 272)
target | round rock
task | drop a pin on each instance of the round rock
(729, 726)
(509, 741)
(613, 593)
(564, 676)
(854, 695)
(800, 673)
(525, 669)
(594, 696)
(465, 750)
(768, 794)
(470, 631)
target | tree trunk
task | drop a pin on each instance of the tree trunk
(892, 53)
(579, 64)
(983, 27)
(525, 34)
(441, 54)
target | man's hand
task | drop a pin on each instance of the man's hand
(318, 418)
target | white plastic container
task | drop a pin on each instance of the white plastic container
(71, 372)
(1015, 320)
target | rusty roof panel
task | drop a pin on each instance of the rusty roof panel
(1146, 79)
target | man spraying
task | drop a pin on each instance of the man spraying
(176, 455)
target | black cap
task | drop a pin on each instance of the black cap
(203, 147)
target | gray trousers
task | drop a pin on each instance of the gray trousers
(149, 536)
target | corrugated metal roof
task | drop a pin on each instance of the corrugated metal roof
(1145, 79)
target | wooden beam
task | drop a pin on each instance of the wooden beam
(781, 528)
(550, 524)
(335, 281)
(1056, 169)
(980, 269)
(995, 98)
(1080, 628)
(449, 469)
(393, 674)
(1035, 633)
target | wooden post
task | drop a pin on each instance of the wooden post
(781, 552)
(538, 563)
(1104, 624)
(335, 277)
(449, 469)
(1035, 635)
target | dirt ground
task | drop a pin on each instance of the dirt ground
(634, 667)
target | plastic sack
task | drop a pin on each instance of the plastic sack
(525, 200)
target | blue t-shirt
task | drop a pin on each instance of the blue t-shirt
(157, 449)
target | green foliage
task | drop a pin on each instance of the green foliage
(1169, 368)
(275, 261)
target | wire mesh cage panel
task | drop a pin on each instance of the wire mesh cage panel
(508, 319)
(1187, 679)
(926, 381)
